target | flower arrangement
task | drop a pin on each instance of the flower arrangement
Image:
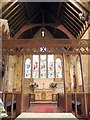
(53, 85)
(33, 86)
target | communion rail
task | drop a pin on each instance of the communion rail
(15, 103)
(77, 103)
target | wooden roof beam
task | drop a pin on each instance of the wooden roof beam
(68, 15)
(76, 18)
(34, 16)
(78, 6)
(9, 6)
(22, 17)
(32, 25)
(11, 11)
(26, 7)
(70, 28)
(20, 25)
(73, 14)
(19, 10)
(58, 12)
(84, 5)
(36, 43)
(70, 22)
(85, 25)
(23, 29)
(71, 8)
(62, 28)
(52, 7)
(53, 10)
(43, 17)
(16, 17)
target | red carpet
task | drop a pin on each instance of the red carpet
(44, 108)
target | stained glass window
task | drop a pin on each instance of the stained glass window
(43, 33)
(28, 68)
(35, 66)
(42, 66)
(50, 66)
(58, 68)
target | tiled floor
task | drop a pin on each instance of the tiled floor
(44, 108)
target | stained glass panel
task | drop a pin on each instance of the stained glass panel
(50, 66)
(58, 68)
(35, 66)
(27, 68)
(43, 66)
(27, 74)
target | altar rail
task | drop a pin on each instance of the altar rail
(64, 101)
(77, 103)
(15, 103)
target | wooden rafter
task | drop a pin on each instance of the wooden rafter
(34, 16)
(70, 22)
(26, 7)
(71, 18)
(19, 20)
(85, 5)
(74, 16)
(79, 6)
(8, 7)
(21, 9)
(16, 17)
(53, 12)
(19, 26)
(30, 26)
(12, 11)
(58, 12)
(62, 28)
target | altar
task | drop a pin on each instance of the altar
(45, 94)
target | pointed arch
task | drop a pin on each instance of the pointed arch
(58, 68)
(28, 68)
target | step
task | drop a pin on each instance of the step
(43, 102)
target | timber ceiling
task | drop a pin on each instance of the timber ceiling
(63, 13)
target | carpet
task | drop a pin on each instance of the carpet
(43, 108)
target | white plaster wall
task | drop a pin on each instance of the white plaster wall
(86, 34)
(47, 33)
(85, 65)
(45, 81)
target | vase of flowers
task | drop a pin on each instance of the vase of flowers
(53, 85)
(33, 86)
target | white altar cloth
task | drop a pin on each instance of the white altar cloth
(47, 115)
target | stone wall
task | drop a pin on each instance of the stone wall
(13, 75)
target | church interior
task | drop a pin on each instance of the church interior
(45, 57)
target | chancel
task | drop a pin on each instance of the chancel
(45, 58)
